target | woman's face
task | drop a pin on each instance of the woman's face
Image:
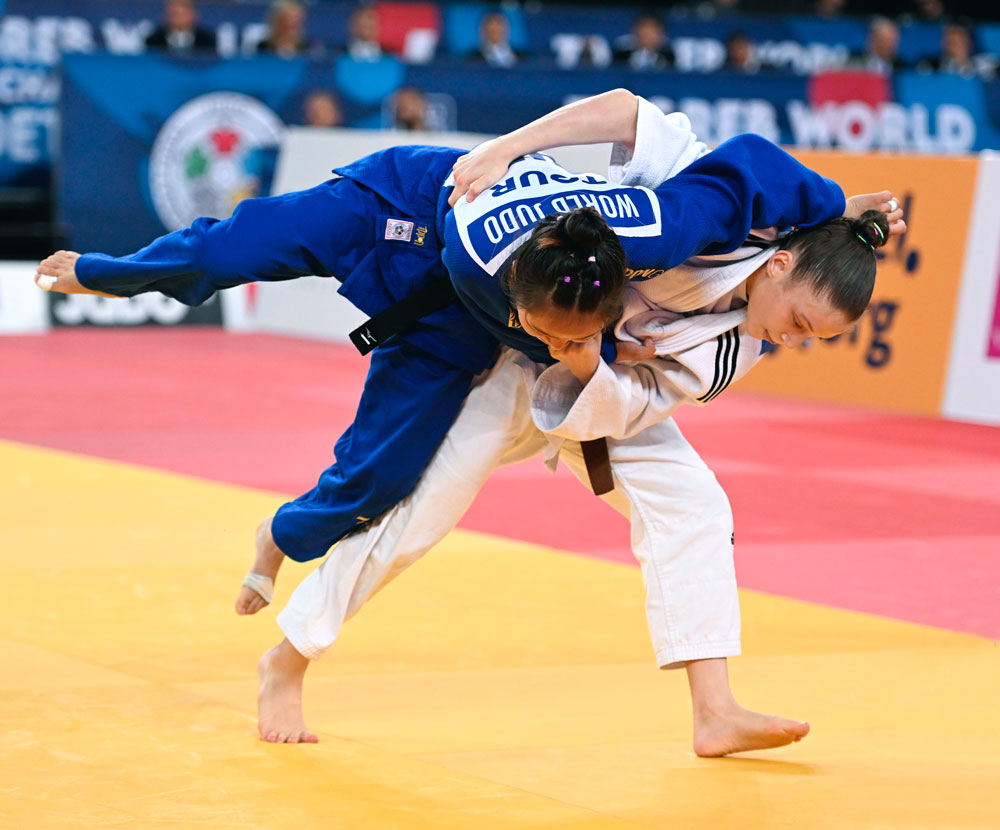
(557, 327)
(787, 312)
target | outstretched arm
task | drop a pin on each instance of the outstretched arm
(747, 182)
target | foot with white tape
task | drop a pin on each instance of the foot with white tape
(58, 273)
(258, 586)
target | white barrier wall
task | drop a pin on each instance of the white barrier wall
(958, 252)
(972, 390)
(24, 309)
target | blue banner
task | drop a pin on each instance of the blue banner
(151, 142)
(918, 112)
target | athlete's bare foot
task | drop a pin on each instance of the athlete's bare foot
(279, 698)
(57, 272)
(739, 730)
(268, 561)
(721, 725)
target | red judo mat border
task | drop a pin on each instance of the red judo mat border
(882, 513)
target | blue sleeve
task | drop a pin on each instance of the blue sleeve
(745, 183)
(271, 239)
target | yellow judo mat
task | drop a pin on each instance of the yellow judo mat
(496, 684)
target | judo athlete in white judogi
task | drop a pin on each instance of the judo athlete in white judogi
(707, 321)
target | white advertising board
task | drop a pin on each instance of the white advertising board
(972, 390)
(24, 307)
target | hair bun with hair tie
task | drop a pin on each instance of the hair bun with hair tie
(878, 231)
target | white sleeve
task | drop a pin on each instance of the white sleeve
(621, 400)
(664, 145)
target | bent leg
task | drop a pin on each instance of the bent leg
(682, 536)
(493, 421)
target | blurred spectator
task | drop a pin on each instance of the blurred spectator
(647, 46)
(286, 22)
(179, 32)
(928, 11)
(494, 41)
(322, 109)
(956, 51)
(881, 53)
(741, 54)
(595, 52)
(957, 56)
(829, 9)
(409, 109)
(362, 38)
(709, 9)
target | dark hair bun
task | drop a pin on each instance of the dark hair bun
(581, 230)
(874, 227)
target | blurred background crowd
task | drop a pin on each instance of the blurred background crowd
(499, 36)
(924, 69)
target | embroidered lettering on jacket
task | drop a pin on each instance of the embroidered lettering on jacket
(644, 273)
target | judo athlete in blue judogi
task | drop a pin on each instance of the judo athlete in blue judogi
(384, 228)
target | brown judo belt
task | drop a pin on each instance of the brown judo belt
(595, 456)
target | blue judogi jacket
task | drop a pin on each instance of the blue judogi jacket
(708, 208)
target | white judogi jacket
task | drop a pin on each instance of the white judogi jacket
(701, 343)
(695, 314)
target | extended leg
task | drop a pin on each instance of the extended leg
(492, 427)
(682, 535)
(324, 231)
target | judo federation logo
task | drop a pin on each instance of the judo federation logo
(399, 229)
(212, 153)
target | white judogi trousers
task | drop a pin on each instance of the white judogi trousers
(682, 527)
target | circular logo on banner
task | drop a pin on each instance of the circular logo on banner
(209, 156)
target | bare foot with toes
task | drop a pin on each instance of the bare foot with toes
(279, 698)
(58, 273)
(736, 729)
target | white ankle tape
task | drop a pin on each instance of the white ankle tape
(262, 585)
